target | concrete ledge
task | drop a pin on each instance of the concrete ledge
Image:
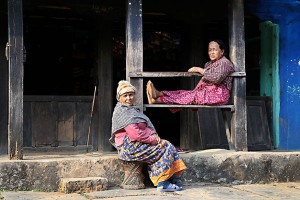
(44, 172)
(224, 166)
(83, 185)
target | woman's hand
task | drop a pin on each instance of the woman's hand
(163, 143)
(157, 138)
(196, 70)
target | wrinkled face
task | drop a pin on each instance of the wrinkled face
(214, 51)
(127, 98)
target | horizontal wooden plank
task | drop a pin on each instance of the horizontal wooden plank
(231, 107)
(175, 74)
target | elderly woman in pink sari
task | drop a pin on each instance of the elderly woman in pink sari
(213, 88)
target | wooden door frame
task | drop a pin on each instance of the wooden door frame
(269, 74)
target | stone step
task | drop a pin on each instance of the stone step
(83, 185)
(43, 170)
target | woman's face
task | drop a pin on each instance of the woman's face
(214, 51)
(127, 98)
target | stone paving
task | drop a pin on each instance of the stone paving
(207, 191)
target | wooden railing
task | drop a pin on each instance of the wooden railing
(231, 107)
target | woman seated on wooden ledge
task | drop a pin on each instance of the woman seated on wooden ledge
(213, 88)
(135, 138)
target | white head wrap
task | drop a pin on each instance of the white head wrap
(124, 87)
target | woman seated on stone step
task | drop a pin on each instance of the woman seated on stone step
(213, 88)
(136, 139)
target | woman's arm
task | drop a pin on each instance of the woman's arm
(196, 70)
(140, 132)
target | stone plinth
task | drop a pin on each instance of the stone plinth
(83, 185)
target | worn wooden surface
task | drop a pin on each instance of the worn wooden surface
(227, 129)
(175, 74)
(44, 119)
(212, 128)
(230, 107)
(16, 73)
(57, 122)
(66, 123)
(81, 124)
(237, 56)
(258, 125)
(134, 46)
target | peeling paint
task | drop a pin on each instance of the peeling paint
(295, 61)
(293, 89)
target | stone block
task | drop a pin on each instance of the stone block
(83, 185)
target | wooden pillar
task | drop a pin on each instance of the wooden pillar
(15, 79)
(134, 47)
(3, 80)
(106, 91)
(237, 56)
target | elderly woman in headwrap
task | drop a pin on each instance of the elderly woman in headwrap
(136, 139)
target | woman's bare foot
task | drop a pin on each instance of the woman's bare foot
(150, 99)
(150, 90)
(153, 101)
(153, 93)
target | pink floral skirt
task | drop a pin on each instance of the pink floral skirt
(203, 94)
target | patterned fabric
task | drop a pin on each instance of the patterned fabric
(217, 72)
(162, 163)
(213, 89)
(124, 115)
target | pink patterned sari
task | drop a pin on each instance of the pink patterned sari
(212, 89)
